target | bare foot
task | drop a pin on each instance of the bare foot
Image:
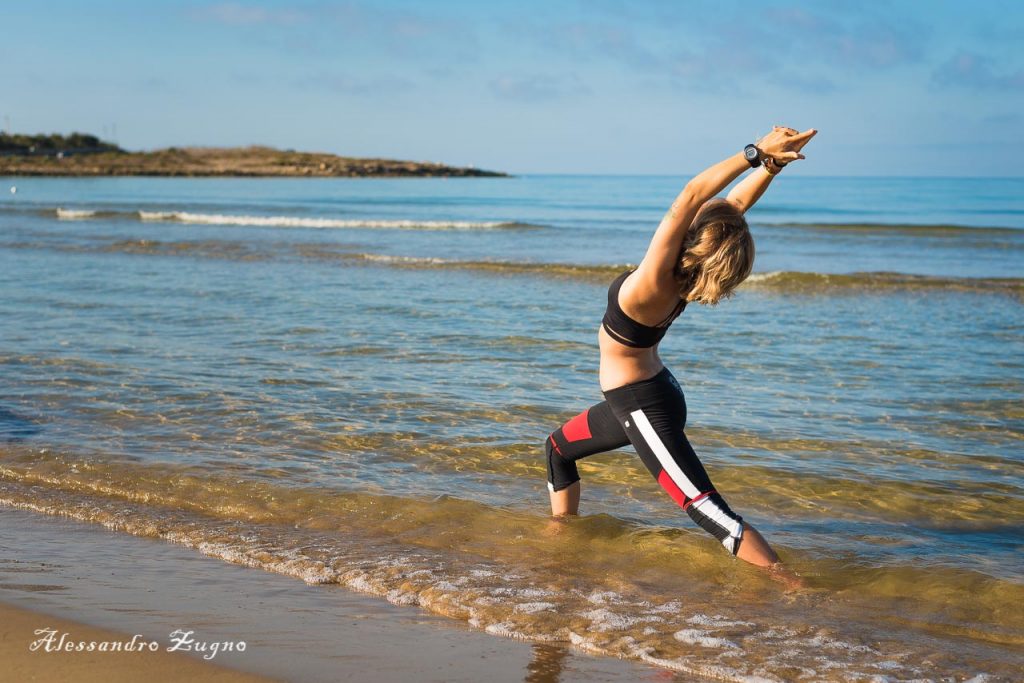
(556, 525)
(787, 577)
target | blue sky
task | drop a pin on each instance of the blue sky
(602, 86)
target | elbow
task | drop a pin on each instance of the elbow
(738, 203)
(697, 194)
(695, 199)
(693, 195)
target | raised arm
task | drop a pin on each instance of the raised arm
(658, 265)
(750, 189)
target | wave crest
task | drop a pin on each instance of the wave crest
(794, 282)
(191, 218)
(74, 214)
(266, 221)
(809, 283)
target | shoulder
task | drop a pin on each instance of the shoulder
(647, 295)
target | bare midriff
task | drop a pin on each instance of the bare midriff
(621, 364)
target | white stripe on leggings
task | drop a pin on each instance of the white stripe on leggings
(711, 509)
(706, 506)
(664, 457)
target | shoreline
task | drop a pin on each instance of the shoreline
(111, 584)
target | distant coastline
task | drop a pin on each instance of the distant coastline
(86, 155)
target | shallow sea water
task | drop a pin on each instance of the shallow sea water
(350, 382)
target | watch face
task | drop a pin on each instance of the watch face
(750, 153)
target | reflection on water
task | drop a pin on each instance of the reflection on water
(546, 665)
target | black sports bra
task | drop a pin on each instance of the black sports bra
(624, 329)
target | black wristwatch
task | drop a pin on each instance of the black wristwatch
(753, 155)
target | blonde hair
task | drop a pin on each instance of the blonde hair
(717, 254)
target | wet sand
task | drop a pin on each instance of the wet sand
(121, 585)
(17, 632)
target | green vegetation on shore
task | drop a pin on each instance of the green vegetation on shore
(80, 154)
(50, 145)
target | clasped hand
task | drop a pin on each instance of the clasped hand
(784, 144)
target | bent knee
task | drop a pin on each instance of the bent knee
(562, 472)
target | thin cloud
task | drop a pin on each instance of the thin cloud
(359, 26)
(594, 39)
(349, 85)
(796, 49)
(239, 14)
(977, 72)
(536, 88)
(723, 70)
(1003, 119)
(858, 42)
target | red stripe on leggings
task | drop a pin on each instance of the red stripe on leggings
(555, 445)
(673, 490)
(577, 429)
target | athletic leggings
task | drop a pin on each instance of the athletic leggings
(650, 415)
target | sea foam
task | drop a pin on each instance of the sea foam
(74, 214)
(191, 218)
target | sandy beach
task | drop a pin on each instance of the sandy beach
(97, 585)
(18, 631)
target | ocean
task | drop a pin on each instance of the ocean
(350, 381)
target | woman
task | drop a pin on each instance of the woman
(701, 251)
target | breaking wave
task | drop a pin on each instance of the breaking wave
(263, 221)
(784, 281)
(309, 222)
(932, 229)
